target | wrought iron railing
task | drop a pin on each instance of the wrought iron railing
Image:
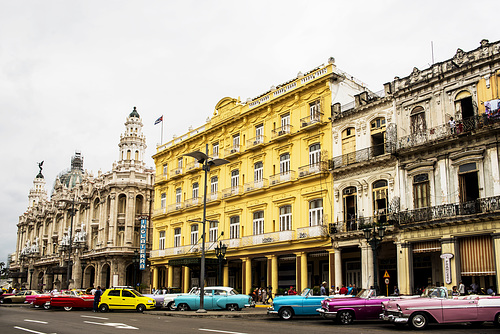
(281, 131)
(250, 186)
(256, 141)
(362, 155)
(314, 168)
(314, 118)
(354, 223)
(282, 177)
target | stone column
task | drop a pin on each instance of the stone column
(367, 265)
(274, 272)
(448, 247)
(112, 221)
(496, 252)
(170, 275)
(154, 271)
(403, 252)
(303, 272)
(338, 267)
(331, 268)
(298, 276)
(225, 275)
(129, 220)
(186, 278)
(247, 275)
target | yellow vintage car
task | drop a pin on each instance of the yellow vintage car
(124, 299)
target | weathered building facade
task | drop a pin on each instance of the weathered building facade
(90, 222)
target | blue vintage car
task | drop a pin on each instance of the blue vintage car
(286, 307)
(216, 298)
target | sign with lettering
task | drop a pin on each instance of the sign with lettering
(447, 267)
(142, 244)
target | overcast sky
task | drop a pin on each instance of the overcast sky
(71, 71)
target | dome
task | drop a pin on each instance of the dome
(134, 113)
(74, 175)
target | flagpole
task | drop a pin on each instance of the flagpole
(161, 140)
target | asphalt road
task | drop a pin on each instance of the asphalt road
(21, 320)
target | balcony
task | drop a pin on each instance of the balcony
(312, 232)
(211, 197)
(314, 119)
(255, 143)
(439, 213)
(161, 178)
(267, 238)
(311, 169)
(159, 211)
(176, 172)
(193, 166)
(358, 223)
(362, 155)
(233, 191)
(193, 202)
(282, 177)
(281, 132)
(233, 151)
(175, 206)
(256, 185)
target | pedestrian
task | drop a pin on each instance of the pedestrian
(349, 289)
(269, 293)
(452, 125)
(354, 290)
(337, 290)
(454, 291)
(461, 288)
(259, 294)
(343, 290)
(322, 290)
(264, 295)
(97, 298)
(292, 291)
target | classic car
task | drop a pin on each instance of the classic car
(73, 299)
(165, 297)
(42, 300)
(169, 299)
(19, 297)
(286, 307)
(124, 299)
(215, 298)
(366, 305)
(436, 306)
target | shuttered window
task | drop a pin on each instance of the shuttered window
(427, 246)
(476, 256)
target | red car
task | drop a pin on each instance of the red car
(42, 300)
(75, 299)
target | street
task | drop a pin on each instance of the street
(18, 320)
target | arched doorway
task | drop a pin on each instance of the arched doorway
(89, 277)
(39, 282)
(105, 276)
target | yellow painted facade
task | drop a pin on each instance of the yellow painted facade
(272, 201)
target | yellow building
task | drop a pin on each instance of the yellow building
(270, 205)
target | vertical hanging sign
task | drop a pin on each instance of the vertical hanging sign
(142, 243)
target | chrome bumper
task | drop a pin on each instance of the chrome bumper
(393, 318)
(252, 304)
(326, 314)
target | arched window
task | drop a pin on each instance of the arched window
(122, 203)
(136, 155)
(417, 121)
(128, 154)
(348, 146)
(138, 205)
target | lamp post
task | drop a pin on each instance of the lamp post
(31, 278)
(83, 264)
(220, 252)
(207, 162)
(72, 213)
(374, 236)
(135, 260)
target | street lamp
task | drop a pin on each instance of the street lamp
(31, 278)
(374, 236)
(135, 261)
(220, 252)
(207, 162)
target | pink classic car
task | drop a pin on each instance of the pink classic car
(435, 306)
(366, 305)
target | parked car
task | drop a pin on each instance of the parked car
(124, 299)
(20, 297)
(365, 306)
(286, 307)
(169, 299)
(216, 298)
(436, 306)
(73, 299)
(165, 297)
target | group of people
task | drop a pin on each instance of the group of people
(473, 289)
(351, 289)
(262, 295)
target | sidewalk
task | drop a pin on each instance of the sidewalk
(259, 311)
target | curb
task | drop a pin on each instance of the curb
(210, 314)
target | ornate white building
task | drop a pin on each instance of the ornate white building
(91, 221)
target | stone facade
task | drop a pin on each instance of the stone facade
(91, 221)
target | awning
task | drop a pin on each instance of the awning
(426, 246)
(476, 256)
(192, 261)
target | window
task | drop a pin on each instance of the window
(126, 293)
(235, 178)
(234, 227)
(286, 218)
(177, 237)
(215, 150)
(165, 169)
(258, 222)
(114, 293)
(214, 185)
(468, 182)
(314, 110)
(163, 200)
(194, 234)
(236, 142)
(178, 195)
(421, 191)
(258, 171)
(285, 124)
(377, 132)
(179, 163)
(128, 154)
(284, 163)
(417, 120)
(136, 155)
(350, 208)
(316, 212)
(314, 154)
(195, 190)
(213, 231)
(259, 134)
(348, 146)
(162, 240)
(380, 201)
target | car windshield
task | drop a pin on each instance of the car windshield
(434, 292)
(137, 293)
(232, 292)
(306, 292)
(366, 293)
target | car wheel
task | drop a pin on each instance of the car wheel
(232, 307)
(103, 308)
(68, 308)
(183, 307)
(141, 308)
(171, 306)
(345, 317)
(286, 313)
(496, 323)
(418, 321)
(46, 306)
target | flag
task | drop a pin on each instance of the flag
(160, 119)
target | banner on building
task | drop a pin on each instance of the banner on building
(142, 244)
